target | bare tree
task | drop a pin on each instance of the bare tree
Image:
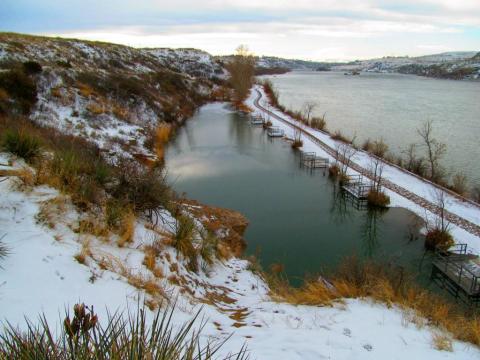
(441, 201)
(414, 163)
(440, 222)
(435, 149)
(242, 71)
(376, 169)
(297, 138)
(308, 108)
(344, 154)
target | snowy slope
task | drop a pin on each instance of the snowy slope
(111, 95)
(191, 61)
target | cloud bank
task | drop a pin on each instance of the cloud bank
(309, 29)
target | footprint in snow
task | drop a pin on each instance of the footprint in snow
(59, 275)
(347, 332)
(368, 347)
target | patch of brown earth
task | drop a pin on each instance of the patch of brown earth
(229, 225)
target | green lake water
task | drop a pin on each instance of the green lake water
(297, 217)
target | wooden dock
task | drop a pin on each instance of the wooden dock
(275, 131)
(312, 161)
(356, 187)
(458, 272)
(256, 120)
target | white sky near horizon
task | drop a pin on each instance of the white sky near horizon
(306, 29)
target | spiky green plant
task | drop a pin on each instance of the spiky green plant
(208, 249)
(131, 337)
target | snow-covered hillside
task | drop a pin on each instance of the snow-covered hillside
(43, 274)
(452, 65)
(191, 61)
(112, 95)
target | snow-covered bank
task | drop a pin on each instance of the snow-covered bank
(423, 189)
(40, 275)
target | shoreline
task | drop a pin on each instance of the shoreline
(464, 215)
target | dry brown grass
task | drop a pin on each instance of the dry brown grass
(162, 135)
(334, 170)
(25, 175)
(4, 95)
(149, 284)
(120, 112)
(52, 211)
(337, 135)
(95, 108)
(442, 342)
(93, 225)
(85, 90)
(56, 92)
(378, 199)
(386, 285)
(127, 230)
(85, 251)
(150, 260)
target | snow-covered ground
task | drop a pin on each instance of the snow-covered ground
(40, 275)
(412, 183)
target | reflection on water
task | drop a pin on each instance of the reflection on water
(298, 217)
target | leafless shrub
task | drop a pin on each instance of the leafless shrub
(435, 150)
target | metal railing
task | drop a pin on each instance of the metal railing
(452, 262)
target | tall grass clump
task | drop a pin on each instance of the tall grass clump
(338, 135)
(378, 199)
(82, 337)
(437, 238)
(184, 236)
(209, 247)
(22, 144)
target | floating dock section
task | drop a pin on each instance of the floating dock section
(459, 273)
(312, 161)
(356, 187)
(275, 131)
(256, 120)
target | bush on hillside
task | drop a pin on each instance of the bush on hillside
(20, 88)
(19, 142)
(145, 189)
(32, 67)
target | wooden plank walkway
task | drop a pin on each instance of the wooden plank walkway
(455, 219)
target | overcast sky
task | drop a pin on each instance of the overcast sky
(308, 29)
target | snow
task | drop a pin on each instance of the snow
(40, 275)
(402, 178)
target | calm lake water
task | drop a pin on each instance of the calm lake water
(392, 107)
(297, 218)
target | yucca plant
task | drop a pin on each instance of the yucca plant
(131, 337)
